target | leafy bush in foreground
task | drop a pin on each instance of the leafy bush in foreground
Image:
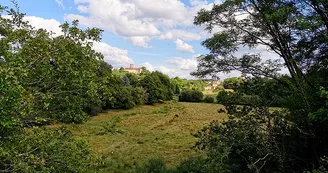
(45, 150)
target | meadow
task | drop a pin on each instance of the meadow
(124, 139)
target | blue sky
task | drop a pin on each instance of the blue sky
(157, 34)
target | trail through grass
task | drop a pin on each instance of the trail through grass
(129, 137)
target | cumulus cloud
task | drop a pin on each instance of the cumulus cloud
(183, 47)
(122, 17)
(162, 68)
(112, 55)
(184, 64)
(148, 66)
(139, 41)
(180, 34)
(139, 21)
(47, 24)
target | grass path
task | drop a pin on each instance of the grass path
(129, 137)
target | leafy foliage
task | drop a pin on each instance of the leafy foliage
(232, 83)
(45, 150)
(158, 87)
(46, 78)
(255, 138)
(209, 99)
(191, 96)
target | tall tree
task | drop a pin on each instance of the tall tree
(295, 30)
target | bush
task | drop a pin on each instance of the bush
(223, 97)
(191, 96)
(244, 143)
(123, 99)
(45, 150)
(190, 165)
(195, 165)
(153, 166)
(93, 109)
(228, 98)
(158, 87)
(209, 99)
(138, 96)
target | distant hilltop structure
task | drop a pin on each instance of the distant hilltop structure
(133, 69)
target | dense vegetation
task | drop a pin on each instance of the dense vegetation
(256, 138)
(191, 96)
(44, 78)
(184, 84)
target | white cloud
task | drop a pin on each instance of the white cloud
(166, 70)
(148, 66)
(184, 64)
(139, 41)
(47, 24)
(112, 55)
(180, 34)
(60, 3)
(141, 18)
(197, 2)
(121, 17)
(183, 47)
(169, 71)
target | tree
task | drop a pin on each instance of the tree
(295, 30)
(275, 141)
(232, 83)
(133, 78)
(57, 75)
(158, 87)
(191, 96)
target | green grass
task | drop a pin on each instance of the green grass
(126, 138)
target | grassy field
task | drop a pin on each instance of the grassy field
(129, 137)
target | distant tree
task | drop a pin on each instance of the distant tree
(158, 87)
(191, 96)
(133, 78)
(232, 83)
(144, 71)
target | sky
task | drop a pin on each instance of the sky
(157, 34)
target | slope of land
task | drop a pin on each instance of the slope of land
(127, 138)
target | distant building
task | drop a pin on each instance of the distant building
(132, 69)
(212, 84)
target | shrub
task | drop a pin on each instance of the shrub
(209, 99)
(223, 97)
(153, 166)
(158, 87)
(123, 99)
(196, 165)
(191, 96)
(244, 143)
(45, 150)
(93, 109)
(138, 96)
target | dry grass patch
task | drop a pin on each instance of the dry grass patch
(129, 137)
